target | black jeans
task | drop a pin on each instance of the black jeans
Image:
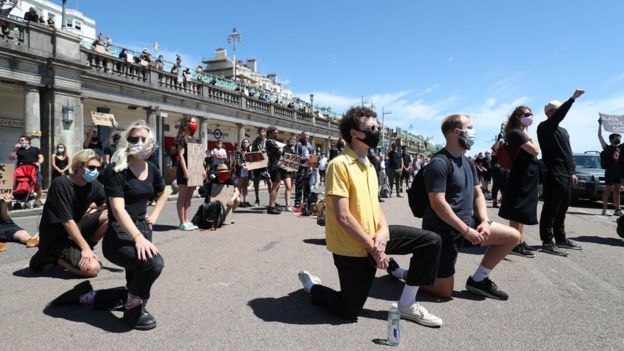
(499, 179)
(356, 274)
(302, 185)
(119, 248)
(557, 195)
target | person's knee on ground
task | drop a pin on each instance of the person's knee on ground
(89, 271)
(236, 203)
(102, 227)
(442, 287)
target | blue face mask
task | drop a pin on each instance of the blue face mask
(469, 137)
(90, 176)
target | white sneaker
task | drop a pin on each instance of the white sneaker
(308, 280)
(606, 212)
(420, 315)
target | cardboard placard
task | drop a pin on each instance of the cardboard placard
(313, 161)
(222, 193)
(612, 123)
(6, 177)
(102, 119)
(256, 160)
(195, 164)
(291, 162)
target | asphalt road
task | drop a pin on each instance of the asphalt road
(237, 289)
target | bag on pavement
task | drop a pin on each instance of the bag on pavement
(210, 215)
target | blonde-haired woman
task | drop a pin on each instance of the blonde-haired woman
(130, 182)
(188, 127)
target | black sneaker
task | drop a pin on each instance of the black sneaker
(72, 296)
(138, 318)
(553, 249)
(494, 204)
(273, 210)
(569, 245)
(526, 246)
(486, 288)
(392, 266)
(520, 250)
(39, 260)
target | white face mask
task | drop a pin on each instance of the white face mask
(140, 150)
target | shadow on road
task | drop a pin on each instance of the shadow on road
(296, 308)
(104, 320)
(163, 227)
(55, 272)
(320, 242)
(600, 240)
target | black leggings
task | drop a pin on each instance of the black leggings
(119, 248)
(356, 274)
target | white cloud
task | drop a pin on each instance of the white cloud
(616, 79)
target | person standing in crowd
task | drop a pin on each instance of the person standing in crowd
(456, 210)
(394, 169)
(557, 156)
(60, 161)
(110, 149)
(130, 183)
(274, 153)
(259, 145)
(5, 11)
(186, 132)
(407, 167)
(613, 178)
(223, 178)
(302, 184)
(289, 175)
(499, 174)
(520, 207)
(25, 154)
(219, 156)
(337, 149)
(374, 160)
(314, 174)
(93, 142)
(9, 231)
(242, 172)
(322, 168)
(483, 170)
(359, 237)
(74, 219)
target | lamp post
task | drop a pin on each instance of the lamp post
(232, 38)
(383, 129)
(63, 24)
(312, 104)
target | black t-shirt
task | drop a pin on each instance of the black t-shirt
(229, 182)
(406, 159)
(611, 158)
(394, 160)
(273, 153)
(110, 150)
(27, 156)
(136, 193)
(66, 201)
(183, 144)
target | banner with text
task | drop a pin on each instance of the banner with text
(6, 177)
(612, 123)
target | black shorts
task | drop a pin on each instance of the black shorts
(260, 173)
(612, 176)
(277, 175)
(405, 174)
(180, 176)
(67, 249)
(8, 230)
(322, 172)
(452, 242)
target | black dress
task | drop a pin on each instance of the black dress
(521, 193)
(60, 164)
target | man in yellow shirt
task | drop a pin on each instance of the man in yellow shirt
(359, 237)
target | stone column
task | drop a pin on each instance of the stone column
(154, 122)
(32, 111)
(203, 131)
(241, 133)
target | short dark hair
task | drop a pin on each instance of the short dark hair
(25, 137)
(452, 122)
(351, 120)
(613, 136)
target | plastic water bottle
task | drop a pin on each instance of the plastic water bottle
(394, 330)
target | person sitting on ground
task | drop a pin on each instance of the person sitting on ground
(223, 178)
(74, 219)
(9, 231)
(359, 237)
(456, 211)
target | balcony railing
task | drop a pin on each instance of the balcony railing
(116, 67)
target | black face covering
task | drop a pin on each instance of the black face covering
(371, 139)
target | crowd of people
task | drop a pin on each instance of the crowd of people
(107, 201)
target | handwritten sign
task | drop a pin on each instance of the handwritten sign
(313, 161)
(6, 177)
(256, 160)
(291, 162)
(195, 164)
(102, 119)
(612, 123)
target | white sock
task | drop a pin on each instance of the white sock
(481, 273)
(87, 298)
(308, 281)
(408, 296)
(400, 273)
(133, 301)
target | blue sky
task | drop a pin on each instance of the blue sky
(422, 60)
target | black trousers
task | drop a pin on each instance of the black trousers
(557, 196)
(499, 179)
(302, 185)
(119, 248)
(356, 274)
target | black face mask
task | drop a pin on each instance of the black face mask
(371, 139)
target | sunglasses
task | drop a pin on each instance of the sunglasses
(91, 168)
(369, 128)
(527, 114)
(135, 139)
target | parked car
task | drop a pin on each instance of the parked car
(591, 177)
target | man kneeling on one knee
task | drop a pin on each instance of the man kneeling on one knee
(74, 219)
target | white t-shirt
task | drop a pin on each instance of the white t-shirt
(323, 163)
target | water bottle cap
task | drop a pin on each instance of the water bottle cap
(394, 305)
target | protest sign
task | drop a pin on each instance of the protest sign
(291, 162)
(195, 164)
(256, 160)
(313, 161)
(612, 123)
(6, 177)
(102, 119)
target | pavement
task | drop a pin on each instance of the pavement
(237, 289)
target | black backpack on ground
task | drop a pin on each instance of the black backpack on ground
(308, 206)
(210, 215)
(417, 196)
